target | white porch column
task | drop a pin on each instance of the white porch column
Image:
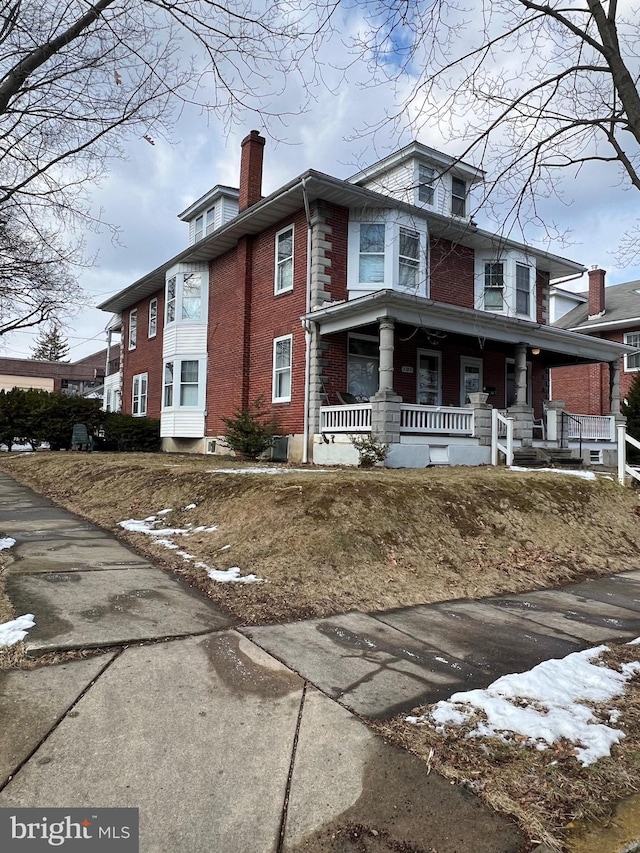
(385, 403)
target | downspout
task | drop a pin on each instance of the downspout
(307, 333)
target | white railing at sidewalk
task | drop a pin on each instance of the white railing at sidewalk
(497, 420)
(435, 419)
(623, 468)
(355, 417)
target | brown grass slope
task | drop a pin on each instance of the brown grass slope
(347, 539)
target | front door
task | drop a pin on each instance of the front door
(429, 378)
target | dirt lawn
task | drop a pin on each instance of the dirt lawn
(332, 541)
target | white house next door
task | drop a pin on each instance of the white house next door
(429, 378)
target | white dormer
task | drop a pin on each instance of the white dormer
(210, 212)
(423, 177)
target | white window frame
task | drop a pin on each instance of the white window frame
(176, 384)
(468, 361)
(153, 318)
(520, 265)
(371, 339)
(133, 328)
(456, 197)
(494, 287)
(510, 259)
(280, 262)
(632, 339)
(408, 261)
(426, 185)
(139, 393)
(393, 221)
(209, 220)
(438, 357)
(176, 304)
(198, 228)
(278, 371)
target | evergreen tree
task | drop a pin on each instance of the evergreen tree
(631, 411)
(51, 345)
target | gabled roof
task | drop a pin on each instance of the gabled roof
(205, 201)
(622, 308)
(312, 186)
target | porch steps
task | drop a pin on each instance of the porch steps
(544, 457)
(528, 457)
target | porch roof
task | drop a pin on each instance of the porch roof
(566, 346)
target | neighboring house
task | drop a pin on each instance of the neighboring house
(81, 377)
(607, 313)
(380, 286)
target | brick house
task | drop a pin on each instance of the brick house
(81, 377)
(368, 304)
(608, 313)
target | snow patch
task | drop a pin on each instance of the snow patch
(585, 475)
(16, 630)
(554, 691)
(258, 470)
(231, 575)
(190, 506)
(7, 542)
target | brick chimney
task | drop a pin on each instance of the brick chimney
(596, 291)
(251, 170)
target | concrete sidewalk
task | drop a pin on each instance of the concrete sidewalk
(231, 740)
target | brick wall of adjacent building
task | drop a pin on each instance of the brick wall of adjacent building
(145, 358)
(88, 369)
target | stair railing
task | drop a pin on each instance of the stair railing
(565, 419)
(496, 446)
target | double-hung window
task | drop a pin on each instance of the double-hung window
(409, 259)
(153, 318)
(189, 382)
(171, 299)
(139, 395)
(426, 178)
(284, 260)
(133, 328)
(282, 351)
(523, 289)
(493, 286)
(632, 362)
(458, 197)
(192, 296)
(211, 220)
(182, 383)
(371, 263)
(363, 363)
(198, 233)
(167, 397)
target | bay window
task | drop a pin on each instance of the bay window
(387, 250)
(153, 318)
(409, 259)
(523, 289)
(186, 295)
(133, 328)
(372, 245)
(282, 351)
(189, 382)
(494, 286)
(168, 385)
(506, 284)
(183, 383)
(191, 296)
(171, 299)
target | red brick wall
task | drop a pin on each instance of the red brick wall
(452, 271)
(338, 219)
(145, 358)
(542, 296)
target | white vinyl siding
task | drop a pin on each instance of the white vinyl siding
(139, 395)
(282, 361)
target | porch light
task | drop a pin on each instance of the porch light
(535, 351)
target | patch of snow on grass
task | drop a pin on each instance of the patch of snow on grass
(585, 475)
(16, 630)
(558, 689)
(165, 511)
(7, 542)
(148, 527)
(258, 470)
(231, 575)
(190, 506)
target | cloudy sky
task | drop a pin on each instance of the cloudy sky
(144, 194)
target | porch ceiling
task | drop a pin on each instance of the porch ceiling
(563, 347)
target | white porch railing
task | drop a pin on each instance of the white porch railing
(623, 468)
(355, 417)
(417, 420)
(435, 419)
(498, 420)
(592, 427)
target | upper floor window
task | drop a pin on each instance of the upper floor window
(632, 362)
(186, 297)
(153, 318)
(458, 197)
(210, 220)
(139, 395)
(426, 178)
(282, 369)
(409, 259)
(133, 328)
(198, 233)
(171, 299)
(284, 260)
(372, 245)
(523, 289)
(494, 286)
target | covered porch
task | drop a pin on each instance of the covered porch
(424, 377)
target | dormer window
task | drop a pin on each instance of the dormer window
(426, 178)
(199, 229)
(458, 197)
